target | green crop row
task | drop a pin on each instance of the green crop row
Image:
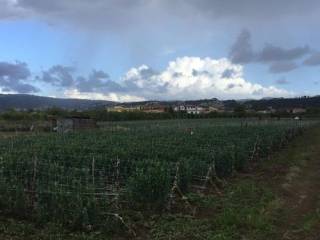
(79, 179)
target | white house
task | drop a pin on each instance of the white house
(190, 109)
(179, 108)
(194, 109)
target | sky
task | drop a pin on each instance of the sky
(133, 50)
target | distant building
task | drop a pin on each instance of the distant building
(272, 110)
(116, 109)
(64, 125)
(153, 109)
(269, 110)
(298, 110)
(264, 111)
(150, 108)
(193, 109)
(180, 108)
(213, 109)
(124, 109)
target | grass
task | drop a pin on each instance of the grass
(244, 212)
(13, 229)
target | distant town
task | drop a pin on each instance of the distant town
(299, 105)
(194, 109)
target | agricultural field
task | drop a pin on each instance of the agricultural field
(93, 180)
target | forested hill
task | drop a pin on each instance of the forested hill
(23, 101)
(284, 103)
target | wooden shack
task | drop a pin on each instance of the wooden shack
(69, 124)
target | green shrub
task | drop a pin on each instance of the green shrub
(150, 184)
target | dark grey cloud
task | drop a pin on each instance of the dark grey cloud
(59, 75)
(196, 73)
(272, 53)
(64, 77)
(254, 9)
(281, 67)
(21, 88)
(282, 81)
(144, 82)
(98, 81)
(241, 51)
(147, 73)
(177, 74)
(232, 85)
(313, 60)
(61, 5)
(86, 14)
(279, 59)
(153, 22)
(18, 70)
(95, 80)
(228, 73)
(245, 9)
(10, 10)
(14, 78)
(42, 6)
(115, 13)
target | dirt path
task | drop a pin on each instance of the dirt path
(300, 190)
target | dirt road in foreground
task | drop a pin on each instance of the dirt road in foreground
(299, 190)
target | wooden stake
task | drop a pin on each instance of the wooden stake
(117, 216)
(34, 178)
(92, 169)
(175, 189)
(254, 149)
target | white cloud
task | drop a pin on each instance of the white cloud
(117, 97)
(194, 78)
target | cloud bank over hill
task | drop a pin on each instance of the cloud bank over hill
(183, 78)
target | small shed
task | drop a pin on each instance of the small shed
(69, 124)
